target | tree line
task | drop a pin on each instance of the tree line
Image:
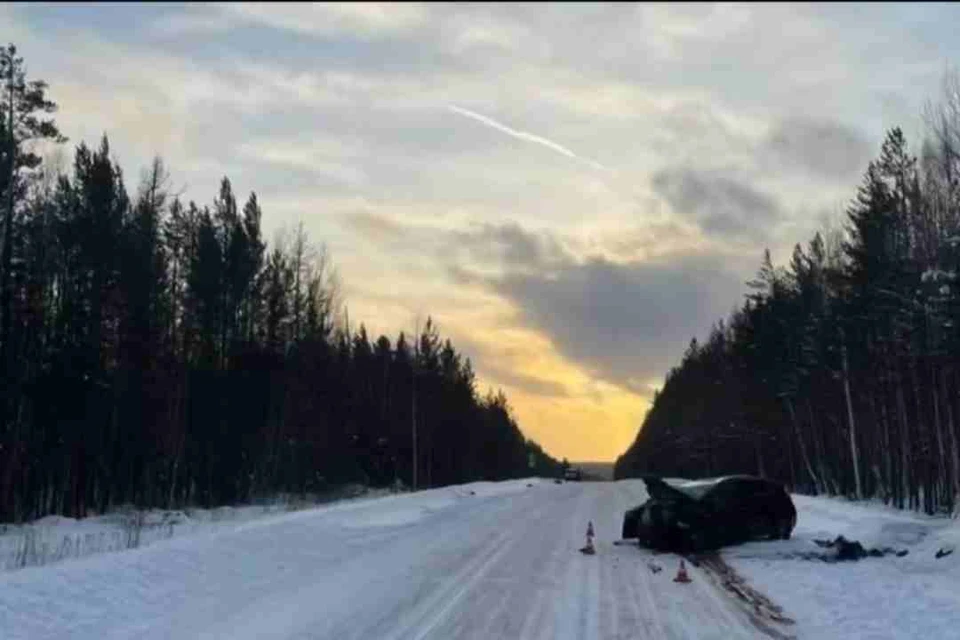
(840, 372)
(161, 353)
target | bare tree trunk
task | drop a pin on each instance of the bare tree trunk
(924, 444)
(413, 427)
(820, 462)
(854, 452)
(413, 414)
(803, 447)
(299, 248)
(954, 445)
(179, 390)
(942, 480)
(887, 456)
(904, 444)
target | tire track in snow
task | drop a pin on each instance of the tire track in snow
(608, 614)
(653, 608)
(710, 589)
(550, 568)
(570, 607)
(457, 587)
(589, 579)
(369, 573)
(524, 580)
(530, 573)
(608, 555)
(628, 499)
(697, 610)
(438, 606)
(628, 597)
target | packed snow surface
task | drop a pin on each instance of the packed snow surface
(916, 596)
(484, 560)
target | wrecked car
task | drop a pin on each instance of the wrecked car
(703, 515)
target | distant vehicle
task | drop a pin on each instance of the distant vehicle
(708, 514)
(573, 473)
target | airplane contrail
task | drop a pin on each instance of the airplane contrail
(523, 135)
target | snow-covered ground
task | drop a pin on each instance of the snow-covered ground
(484, 560)
(55, 539)
(916, 596)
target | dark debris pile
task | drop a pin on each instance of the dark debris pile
(844, 550)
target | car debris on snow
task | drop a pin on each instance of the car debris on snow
(852, 550)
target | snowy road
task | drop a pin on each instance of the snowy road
(501, 562)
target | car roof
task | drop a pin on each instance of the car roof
(696, 489)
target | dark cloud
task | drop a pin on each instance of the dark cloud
(625, 323)
(509, 245)
(718, 202)
(823, 148)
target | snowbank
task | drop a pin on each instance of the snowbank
(55, 538)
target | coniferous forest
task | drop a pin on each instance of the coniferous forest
(161, 353)
(840, 372)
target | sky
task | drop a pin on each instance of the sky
(571, 191)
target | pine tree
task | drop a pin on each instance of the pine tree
(164, 355)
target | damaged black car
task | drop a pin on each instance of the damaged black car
(703, 515)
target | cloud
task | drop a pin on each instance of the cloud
(488, 36)
(196, 20)
(325, 157)
(530, 384)
(523, 135)
(354, 19)
(826, 149)
(506, 246)
(625, 323)
(658, 239)
(509, 245)
(376, 226)
(676, 28)
(500, 369)
(718, 202)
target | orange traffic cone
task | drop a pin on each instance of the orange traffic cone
(682, 574)
(588, 549)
